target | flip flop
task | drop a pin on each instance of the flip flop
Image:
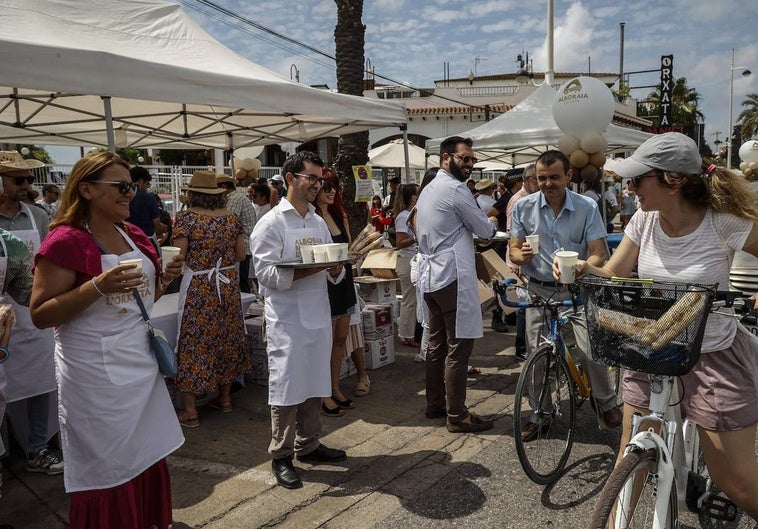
(188, 422)
(362, 388)
(223, 407)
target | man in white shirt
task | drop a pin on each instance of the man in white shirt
(485, 187)
(299, 337)
(237, 203)
(49, 200)
(446, 220)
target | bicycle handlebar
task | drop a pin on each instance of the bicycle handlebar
(537, 301)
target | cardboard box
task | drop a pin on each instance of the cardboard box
(380, 353)
(255, 309)
(377, 321)
(381, 262)
(490, 266)
(255, 328)
(375, 289)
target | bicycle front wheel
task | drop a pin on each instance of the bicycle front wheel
(544, 415)
(638, 469)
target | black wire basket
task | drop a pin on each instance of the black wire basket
(649, 326)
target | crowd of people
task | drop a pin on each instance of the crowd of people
(117, 421)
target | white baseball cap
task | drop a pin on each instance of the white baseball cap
(277, 178)
(671, 152)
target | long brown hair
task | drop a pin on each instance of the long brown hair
(74, 207)
(337, 208)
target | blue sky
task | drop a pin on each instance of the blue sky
(410, 40)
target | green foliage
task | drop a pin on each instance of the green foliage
(182, 157)
(37, 152)
(685, 105)
(130, 155)
(748, 118)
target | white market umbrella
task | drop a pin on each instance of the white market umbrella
(392, 154)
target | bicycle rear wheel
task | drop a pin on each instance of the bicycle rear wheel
(545, 396)
(638, 468)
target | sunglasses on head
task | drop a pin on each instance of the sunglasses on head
(123, 187)
(327, 186)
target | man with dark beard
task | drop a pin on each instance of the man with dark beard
(447, 216)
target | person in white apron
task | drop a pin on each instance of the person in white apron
(117, 419)
(447, 217)
(298, 320)
(31, 372)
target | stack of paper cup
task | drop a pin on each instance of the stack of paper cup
(319, 253)
(306, 253)
(534, 242)
(168, 253)
(566, 262)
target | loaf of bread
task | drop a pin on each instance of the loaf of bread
(622, 323)
(676, 319)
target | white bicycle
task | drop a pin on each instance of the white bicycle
(662, 466)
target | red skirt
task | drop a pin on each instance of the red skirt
(140, 503)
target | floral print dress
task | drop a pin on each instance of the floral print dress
(211, 348)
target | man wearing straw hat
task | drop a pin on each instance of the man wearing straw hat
(299, 332)
(240, 205)
(31, 370)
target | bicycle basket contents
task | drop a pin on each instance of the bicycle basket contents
(650, 326)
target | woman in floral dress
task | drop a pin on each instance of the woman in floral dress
(211, 343)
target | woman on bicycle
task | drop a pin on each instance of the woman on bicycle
(693, 218)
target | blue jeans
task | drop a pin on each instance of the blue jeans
(37, 412)
(521, 330)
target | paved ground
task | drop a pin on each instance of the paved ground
(403, 470)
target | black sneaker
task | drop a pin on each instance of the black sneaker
(45, 461)
(471, 424)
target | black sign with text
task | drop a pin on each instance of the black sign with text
(667, 86)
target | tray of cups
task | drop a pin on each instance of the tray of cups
(300, 264)
(320, 256)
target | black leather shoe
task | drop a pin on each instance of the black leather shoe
(323, 454)
(285, 473)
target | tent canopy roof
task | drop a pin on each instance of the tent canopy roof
(528, 129)
(171, 84)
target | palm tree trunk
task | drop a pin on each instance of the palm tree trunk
(349, 38)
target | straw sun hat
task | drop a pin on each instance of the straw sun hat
(13, 161)
(203, 182)
(484, 183)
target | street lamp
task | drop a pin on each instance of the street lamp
(745, 73)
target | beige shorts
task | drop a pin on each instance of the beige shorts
(721, 391)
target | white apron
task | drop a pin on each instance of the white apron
(299, 328)
(31, 371)
(468, 315)
(115, 413)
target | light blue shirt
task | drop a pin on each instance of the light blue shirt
(578, 223)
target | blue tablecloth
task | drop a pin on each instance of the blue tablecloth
(614, 239)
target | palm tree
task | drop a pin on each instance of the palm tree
(352, 149)
(748, 118)
(685, 101)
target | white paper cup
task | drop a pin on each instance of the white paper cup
(343, 251)
(319, 253)
(534, 242)
(168, 253)
(137, 262)
(566, 262)
(306, 253)
(334, 251)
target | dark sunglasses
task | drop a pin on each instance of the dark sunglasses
(19, 180)
(123, 187)
(328, 186)
(636, 180)
(466, 159)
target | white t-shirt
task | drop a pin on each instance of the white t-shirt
(401, 226)
(485, 202)
(699, 257)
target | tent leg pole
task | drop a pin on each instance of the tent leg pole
(404, 128)
(109, 123)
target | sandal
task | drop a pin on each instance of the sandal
(362, 388)
(223, 407)
(188, 420)
(410, 343)
(474, 370)
(346, 404)
(331, 412)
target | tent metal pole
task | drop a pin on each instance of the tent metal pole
(109, 123)
(404, 128)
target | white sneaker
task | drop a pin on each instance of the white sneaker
(45, 461)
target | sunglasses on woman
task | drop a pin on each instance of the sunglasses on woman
(123, 187)
(328, 186)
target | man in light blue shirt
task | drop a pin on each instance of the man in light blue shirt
(564, 220)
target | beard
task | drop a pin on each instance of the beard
(456, 170)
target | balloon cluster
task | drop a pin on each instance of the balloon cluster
(582, 109)
(749, 157)
(246, 168)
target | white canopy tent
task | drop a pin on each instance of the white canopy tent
(392, 154)
(528, 129)
(141, 73)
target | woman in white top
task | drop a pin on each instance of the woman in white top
(406, 243)
(117, 421)
(692, 218)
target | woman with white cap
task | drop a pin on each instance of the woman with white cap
(694, 216)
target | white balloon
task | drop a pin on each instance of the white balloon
(753, 165)
(140, 159)
(749, 151)
(568, 144)
(593, 142)
(583, 105)
(256, 164)
(24, 151)
(743, 166)
(247, 164)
